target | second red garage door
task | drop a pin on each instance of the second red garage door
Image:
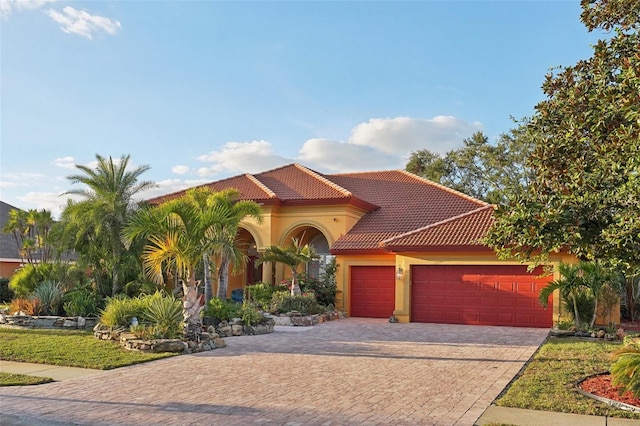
(373, 291)
(479, 294)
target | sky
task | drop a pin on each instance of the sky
(203, 90)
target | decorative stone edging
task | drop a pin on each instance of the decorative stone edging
(613, 403)
(299, 320)
(208, 341)
(54, 322)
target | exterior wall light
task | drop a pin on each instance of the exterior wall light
(399, 273)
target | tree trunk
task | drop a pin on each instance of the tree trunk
(295, 287)
(191, 310)
(223, 277)
(208, 291)
(576, 315)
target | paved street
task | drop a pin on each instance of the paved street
(347, 372)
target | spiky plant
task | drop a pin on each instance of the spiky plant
(165, 314)
(625, 370)
(50, 295)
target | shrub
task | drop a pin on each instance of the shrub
(165, 314)
(25, 280)
(20, 304)
(6, 294)
(261, 293)
(222, 309)
(324, 289)
(250, 314)
(306, 305)
(49, 293)
(626, 366)
(585, 303)
(119, 311)
(81, 302)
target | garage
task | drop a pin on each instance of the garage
(372, 291)
(479, 294)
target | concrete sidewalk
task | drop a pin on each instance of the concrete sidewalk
(54, 372)
(520, 417)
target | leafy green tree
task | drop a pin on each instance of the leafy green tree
(481, 169)
(585, 195)
(94, 225)
(292, 256)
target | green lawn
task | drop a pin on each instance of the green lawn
(67, 348)
(8, 379)
(548, 381)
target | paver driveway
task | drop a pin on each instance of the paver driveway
(346, 372)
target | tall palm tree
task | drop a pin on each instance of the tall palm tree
(107, 205)
(228, 252)
(292, 256)
(225, 252)
(178, 234)
(569, 284)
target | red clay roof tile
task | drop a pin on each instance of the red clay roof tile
(402, 206)
(463, 230)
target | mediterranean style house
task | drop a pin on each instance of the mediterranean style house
(405, 246)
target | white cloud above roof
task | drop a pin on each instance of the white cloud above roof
(80, 22)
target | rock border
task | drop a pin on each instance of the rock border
(49, 322)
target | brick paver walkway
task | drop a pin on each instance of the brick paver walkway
(346, 372)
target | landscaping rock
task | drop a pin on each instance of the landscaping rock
(168, 345)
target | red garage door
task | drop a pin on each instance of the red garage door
(373, 291)
(484, 295)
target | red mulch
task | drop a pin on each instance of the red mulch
(601, 385)
(630, 326)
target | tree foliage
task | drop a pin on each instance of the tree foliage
(92, 227)
(484, 170)
(585, 197)
(31, 231)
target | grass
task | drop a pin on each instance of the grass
(548, 381)
(8, 379)
(68, 348)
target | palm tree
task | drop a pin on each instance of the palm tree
(291, 256)
(107, 205)
(227, 251)
(569, 284)
(178, 234)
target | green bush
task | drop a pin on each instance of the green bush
(119, 310)
(81, 302)
(25, 280)
(250, 314)
(49, 293)
(306, 305)
(6, 294)
(626, 366)
(261, 293)
(222, 309)
(324, 289)
(165, 315)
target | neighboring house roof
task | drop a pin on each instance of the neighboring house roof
(396, 203)
(8, 246)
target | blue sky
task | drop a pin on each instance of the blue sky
(202, 90)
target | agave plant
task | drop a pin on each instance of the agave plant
(165, 313)
(49, 293)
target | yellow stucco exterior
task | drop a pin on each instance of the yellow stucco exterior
(280, 225)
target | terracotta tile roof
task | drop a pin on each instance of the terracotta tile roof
(398, 203)
(250, 189)
(407, 202)
(296, 182)
(463, 230)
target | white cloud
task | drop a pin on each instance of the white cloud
(248, 157)
(378, 144)
(80, 22)
(332, 156)
(180, 169)
(7, 6)
(65, 162)
(403, 135)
